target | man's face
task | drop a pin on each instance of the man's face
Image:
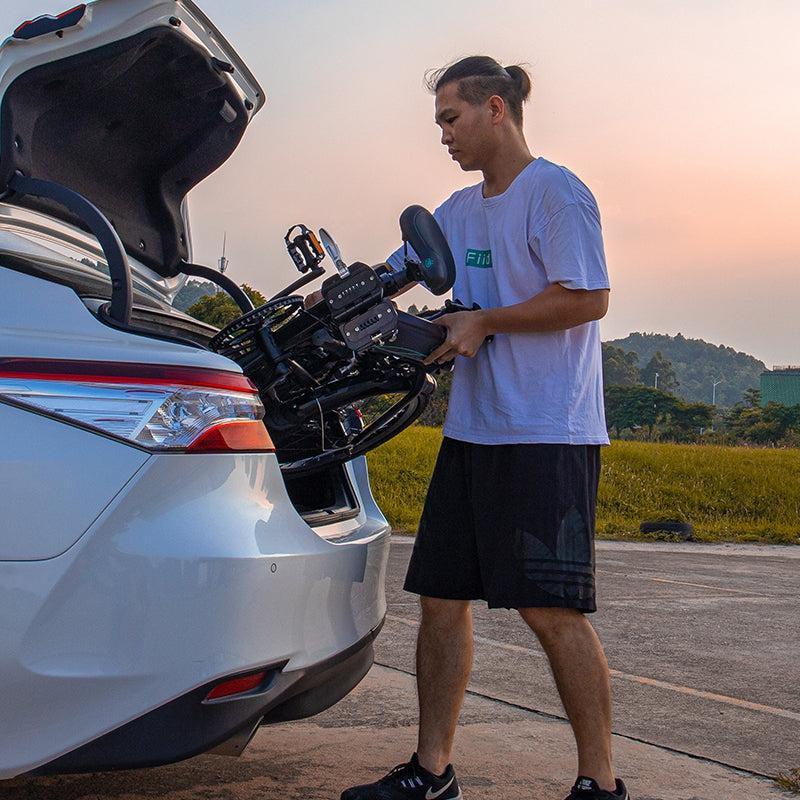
(467, 130)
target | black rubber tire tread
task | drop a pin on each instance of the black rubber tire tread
(683, 529)
(402, 414)
(252, 321)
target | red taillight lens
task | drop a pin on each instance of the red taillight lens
(235, 686)
(232, 436)
(155, 406)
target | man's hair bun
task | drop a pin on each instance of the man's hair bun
(480, 77)
(521, 78)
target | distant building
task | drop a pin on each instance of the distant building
(781, 385)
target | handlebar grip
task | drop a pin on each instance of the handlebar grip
(416, 338)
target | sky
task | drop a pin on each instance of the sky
(682, 117)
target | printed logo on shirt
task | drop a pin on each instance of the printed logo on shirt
(479, 258)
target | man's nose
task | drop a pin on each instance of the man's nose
(446, 137)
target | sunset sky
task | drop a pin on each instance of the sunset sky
(682, 117)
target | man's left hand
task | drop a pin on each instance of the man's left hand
(466, 331)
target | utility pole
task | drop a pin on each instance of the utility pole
(656, 383)
(714, 391)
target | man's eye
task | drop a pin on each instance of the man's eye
(451, 120)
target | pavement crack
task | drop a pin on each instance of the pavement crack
(560, 718)
(724, 699)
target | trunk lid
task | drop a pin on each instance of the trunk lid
(131, 103)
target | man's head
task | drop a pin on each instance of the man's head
(479, 108)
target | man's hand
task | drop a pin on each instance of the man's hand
(466, 331)
(556, 308)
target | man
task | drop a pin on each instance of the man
(509, 516)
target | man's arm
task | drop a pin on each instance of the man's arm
(556, 308)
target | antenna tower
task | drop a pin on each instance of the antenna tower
(223, 262)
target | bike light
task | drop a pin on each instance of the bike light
(156, 407)
(234, 686)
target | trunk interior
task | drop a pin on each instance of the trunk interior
(323, 497)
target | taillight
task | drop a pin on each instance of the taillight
(49, 23)
(242, 684)
(154, 406)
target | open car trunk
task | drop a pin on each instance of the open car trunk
(109, 115)
(130, 103)
(324, 496)
(131, 107)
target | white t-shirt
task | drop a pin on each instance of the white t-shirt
(526, 387)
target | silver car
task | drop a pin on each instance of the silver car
(165, 585)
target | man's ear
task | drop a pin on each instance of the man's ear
(497, 109)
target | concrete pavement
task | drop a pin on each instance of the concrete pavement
(703, 644)
(502, 753)
(704, 648)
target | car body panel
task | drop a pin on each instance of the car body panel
(43, 319)
(72, 252)
(164, 101)
(56, 481)
(199, 568)
(107, 21)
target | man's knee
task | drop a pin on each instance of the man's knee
(548, 623)
(438, 611)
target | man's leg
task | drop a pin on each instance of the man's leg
(581, 673)
(444, 661)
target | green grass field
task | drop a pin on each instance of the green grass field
(729, 494)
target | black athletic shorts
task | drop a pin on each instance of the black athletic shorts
(512, 524)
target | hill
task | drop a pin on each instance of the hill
(697, 365)
(191, 292)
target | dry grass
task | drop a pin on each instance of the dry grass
(789, 781)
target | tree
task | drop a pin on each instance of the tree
(752, 398)
(666, 374)
(698, 365)
(219, 309)
(687, 420)
(619, 368)
(772, 424)
(631, 407)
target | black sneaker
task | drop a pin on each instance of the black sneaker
(587, 789)
(409, 781)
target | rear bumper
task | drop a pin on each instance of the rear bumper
(187, 726)
(200, 569)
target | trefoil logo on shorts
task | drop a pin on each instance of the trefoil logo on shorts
(479, 258)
